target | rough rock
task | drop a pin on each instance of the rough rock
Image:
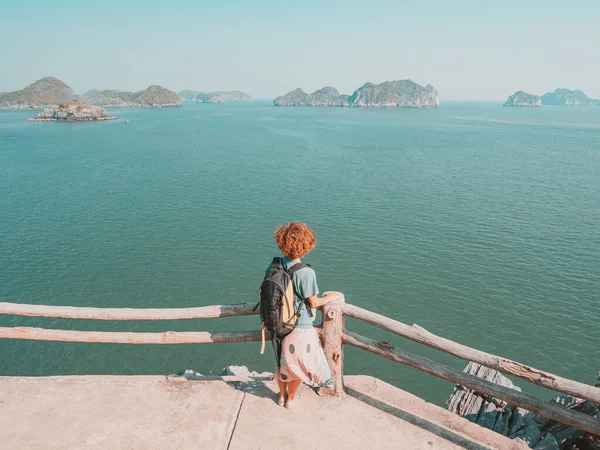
(73, 111)
(517, 423)
(548, 442)
(521, 98)
(242, 371)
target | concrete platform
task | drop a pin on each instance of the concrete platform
(157, 412)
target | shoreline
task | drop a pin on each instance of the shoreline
(44, 119)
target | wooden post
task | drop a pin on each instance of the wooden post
(333, 333)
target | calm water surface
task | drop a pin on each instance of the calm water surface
(477, 222)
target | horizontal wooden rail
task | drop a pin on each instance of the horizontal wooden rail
(547, 409)
(507, 366)
(169, 337)
(84, 312)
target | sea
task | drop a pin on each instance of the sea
(479, 223)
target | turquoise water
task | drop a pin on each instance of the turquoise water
(477, 222)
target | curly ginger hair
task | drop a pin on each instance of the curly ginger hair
(295, 239)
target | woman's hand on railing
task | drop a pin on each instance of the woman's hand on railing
(317, 302)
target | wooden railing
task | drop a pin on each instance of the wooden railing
(333, 335)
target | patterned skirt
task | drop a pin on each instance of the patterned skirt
(302, 358)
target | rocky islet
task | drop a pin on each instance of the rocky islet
(73, 112)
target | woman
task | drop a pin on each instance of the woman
(302, 358)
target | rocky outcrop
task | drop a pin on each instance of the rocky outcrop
(516, 423)
(222, 97)
(44, 92)
(72, 112)
(152, 97)
(521, 98)
(567, 97)
(389, 94)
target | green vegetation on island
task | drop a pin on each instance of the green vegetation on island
(50, 91)
(45, 91)
(389, 94)
(560, 97)
(152, 97)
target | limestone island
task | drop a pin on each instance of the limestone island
(50, 91)
(567, 97)
(389, 94)
(152, 97)
(46, 91)
(222, 97)
(188, 96)
(72, 112)
(521, 98)
(560, 97)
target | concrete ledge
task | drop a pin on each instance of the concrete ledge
(229, 412)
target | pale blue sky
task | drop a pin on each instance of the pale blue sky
(468, 50)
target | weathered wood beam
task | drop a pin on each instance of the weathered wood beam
(168, 337)
(547, 409)
(507, 366)
(84, 312)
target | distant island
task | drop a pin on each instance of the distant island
(188, 96)
(44, 92)
(91, 92)
(50, 91)
(389, 94)
(566, 97)
(560, 97)
(214, 97)
(72, 112)
(521, 98)
(152, 97)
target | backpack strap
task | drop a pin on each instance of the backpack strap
(292, 270)
(296, 267)
(278, 261)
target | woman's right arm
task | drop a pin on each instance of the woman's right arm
(317, 302)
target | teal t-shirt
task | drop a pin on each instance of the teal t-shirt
(305, 284)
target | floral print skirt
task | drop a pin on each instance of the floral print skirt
(302, 358)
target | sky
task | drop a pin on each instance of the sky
(468, 50)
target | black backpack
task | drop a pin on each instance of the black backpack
(278, 312)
